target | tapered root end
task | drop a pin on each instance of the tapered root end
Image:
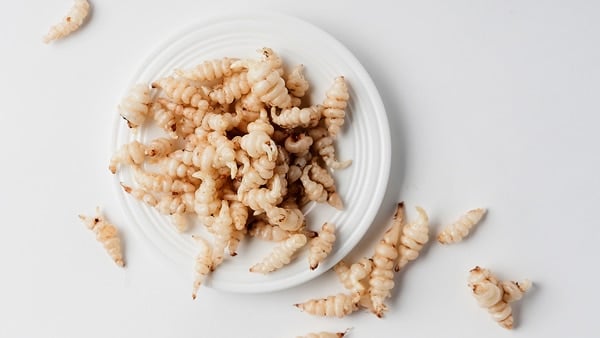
(508, 323)
(342, 334)
(120, 263)
(524, 285)
(379, 310)
(49, 37)
(126, 188)
(399, 211)
(311, 234)
(335, 201)
(341, 165)
(479, 211)
(442, 239)
(257, 269)
(475, 269)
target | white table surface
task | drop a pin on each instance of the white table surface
(490, 103)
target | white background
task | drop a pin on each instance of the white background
(490, 103)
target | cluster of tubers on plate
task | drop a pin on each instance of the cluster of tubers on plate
(241, 152)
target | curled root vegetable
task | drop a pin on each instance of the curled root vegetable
(233, 88)
(258, 142)
(321, 246)
(264, 199)
(224, 152)
(273, 59)
(496, 296)
(165, 204)
(209, 70)
(72, 21)
(323, 145)
(206, 200)
(295, 117)
(264, 167)
(353, 277)
(514, 291)
(323, 176)
(488, 293)
(414, 236)
(222, 229)
(456, 231)
(290, 219)
(239, 214)
(324, 335)
(204, 156)
(268, 232)
(381, 281)
(107, 234)
(141, 194)
(175, 166)
(134, 106)
(342, 270)
(250, 181)
(248, 107)
(161, 183)
(271, 90)
(234, 241)
(265, 79)
(187, 118)
(204, 263)
(129, 153)
(296, 83)
(298, 144)
(281, 254)
(296, 168)
(219, 121)
(182, 92)
(282, 163)
(314, 191)
(334, 105)
(159, 148)
(165, 119)
(339, 305)
(180, 222)
(175, 204)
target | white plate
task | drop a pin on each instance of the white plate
(365, 139)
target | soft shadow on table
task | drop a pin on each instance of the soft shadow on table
(517, 307)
